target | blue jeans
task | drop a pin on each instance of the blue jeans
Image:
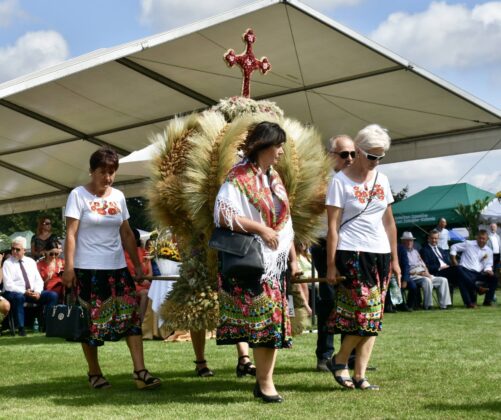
(17, 301)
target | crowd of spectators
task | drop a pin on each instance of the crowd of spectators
(436, 266)
(31, 277)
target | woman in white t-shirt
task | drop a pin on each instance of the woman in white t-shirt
(97, 229)
(362, 249)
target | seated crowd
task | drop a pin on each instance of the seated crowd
(433, 267)
(26, 282)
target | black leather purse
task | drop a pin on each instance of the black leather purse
(240, 255)
(69, 321)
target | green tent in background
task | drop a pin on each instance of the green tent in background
(427, 206)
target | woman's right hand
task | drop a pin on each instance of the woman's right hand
(269, 237)
(69, 278)
(332, 275)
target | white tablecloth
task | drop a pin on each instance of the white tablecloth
(160, 288)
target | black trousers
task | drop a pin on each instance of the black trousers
(325, 302)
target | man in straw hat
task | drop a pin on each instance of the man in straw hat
(420, 274)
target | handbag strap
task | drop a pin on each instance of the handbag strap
(369, 200)
(70, 295)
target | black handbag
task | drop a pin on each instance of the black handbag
(69, 321)
(240, 255)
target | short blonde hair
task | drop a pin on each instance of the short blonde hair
(19, 240)
(373, 136)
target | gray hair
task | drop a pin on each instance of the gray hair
(373, 136)
(333, 140)
(20, 240)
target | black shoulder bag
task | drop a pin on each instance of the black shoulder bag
(240, 255)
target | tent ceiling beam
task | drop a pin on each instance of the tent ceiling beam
(64, 190)
(62, 127)
(432, 136)
(38, 146)
(166, 81)
(331, 82)
(34, 176)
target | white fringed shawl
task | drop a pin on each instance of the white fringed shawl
(230, 202)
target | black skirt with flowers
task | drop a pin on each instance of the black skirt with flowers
(110, 298)
(360, 298)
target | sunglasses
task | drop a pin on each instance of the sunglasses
(53, 254)
(372, 157)
(15, 249)
(345, 154)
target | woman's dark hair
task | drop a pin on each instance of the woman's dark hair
(262, 136)
(105, 158)
(52, 244)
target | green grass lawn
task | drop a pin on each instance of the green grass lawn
(433, 365)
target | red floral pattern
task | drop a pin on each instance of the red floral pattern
(248, 179)
(104, 207)
(363, 194)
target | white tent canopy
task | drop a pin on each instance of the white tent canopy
(322, 73)
(492, 212)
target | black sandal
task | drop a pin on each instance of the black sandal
(341, 380)
(98, 381)
(144, 380)
(204, 372)
(245, 368)
(369, 387)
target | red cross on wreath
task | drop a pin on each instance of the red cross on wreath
(247, 61)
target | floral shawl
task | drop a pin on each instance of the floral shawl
(248, 192)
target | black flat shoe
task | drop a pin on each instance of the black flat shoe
(245, 368)
(266, 398)
(204, 372)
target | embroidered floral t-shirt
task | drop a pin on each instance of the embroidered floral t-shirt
(366, 232)
(98, 242)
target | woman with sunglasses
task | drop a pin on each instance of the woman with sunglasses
(51, 268)
(361, 253)
(42, 237)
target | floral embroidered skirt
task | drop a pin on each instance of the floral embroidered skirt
(256, 314)
(360, 298)
(110, 298)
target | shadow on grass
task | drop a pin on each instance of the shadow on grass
(494, 406)
(9, 340)
(177, 387)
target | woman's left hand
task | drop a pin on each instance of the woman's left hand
(395, 268)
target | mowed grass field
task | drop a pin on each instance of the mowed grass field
(430, 365)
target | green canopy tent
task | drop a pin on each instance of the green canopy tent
(426, 207)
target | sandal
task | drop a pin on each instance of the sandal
(245, 368)
(369, 387)
(344, 381)
(204, 372)
(98, 381)
(144, 380)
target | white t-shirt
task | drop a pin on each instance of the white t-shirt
(365, 233)
(443, 238)
(98, 242)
